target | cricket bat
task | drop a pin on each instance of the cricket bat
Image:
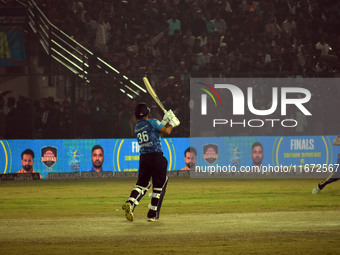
(153, 94)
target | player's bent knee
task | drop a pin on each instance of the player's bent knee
(137, 194)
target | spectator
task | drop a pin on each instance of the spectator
(50, 118)
(90, 26)
(102, 35)
(204, 57)
(322, 46)
(188, 39)
(203, 38)
(98, 107)
(196, 49)
(220, 24)
(288, 25)
(226, 6)
(174, 24)
(209, 23)
(198, 24)
(273, 30)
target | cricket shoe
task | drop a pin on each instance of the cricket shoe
(152, 216)
(316, 190)
(154, 219)
(128, 211)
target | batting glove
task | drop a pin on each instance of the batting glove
(166, 118)
(171, 114)
(174, 122)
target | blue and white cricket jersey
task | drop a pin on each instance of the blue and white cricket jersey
(148, 135)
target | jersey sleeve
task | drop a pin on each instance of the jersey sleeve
(156, 124)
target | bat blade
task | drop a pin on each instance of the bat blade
(153, 94)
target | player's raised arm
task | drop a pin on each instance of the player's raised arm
(167, 129)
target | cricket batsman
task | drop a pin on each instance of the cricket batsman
(152, 163)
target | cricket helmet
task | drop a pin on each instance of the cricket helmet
(142, 110)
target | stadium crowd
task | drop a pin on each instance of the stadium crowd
(171, 41)
(208, 37)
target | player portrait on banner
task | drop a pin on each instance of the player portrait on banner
(27, 161)
(97, 158)
(190, 158)
(257, 154)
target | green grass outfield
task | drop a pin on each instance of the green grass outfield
(199, 216)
